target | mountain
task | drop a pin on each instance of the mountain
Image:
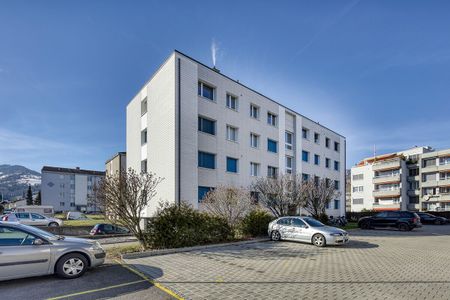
(14, 181)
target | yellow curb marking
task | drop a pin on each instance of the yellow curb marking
(97, 290)
(156, 284)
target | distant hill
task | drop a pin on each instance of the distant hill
(14, 181)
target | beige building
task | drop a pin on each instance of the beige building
(414, 179)
(116, 164)
(198, 128)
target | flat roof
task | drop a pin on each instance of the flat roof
(73, 171)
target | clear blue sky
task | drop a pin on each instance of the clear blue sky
(378, 72)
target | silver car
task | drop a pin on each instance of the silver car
(27, 251)
(306, 229)
(31, 218)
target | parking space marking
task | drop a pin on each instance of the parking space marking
(97, 290)
(152, 281)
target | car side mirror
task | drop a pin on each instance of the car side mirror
(38, 242)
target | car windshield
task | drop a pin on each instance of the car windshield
(313, 222)
(40, 232)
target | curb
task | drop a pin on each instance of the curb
(188, 249)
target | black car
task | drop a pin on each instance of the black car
(427, 218)
(108, 229)
(403, 220)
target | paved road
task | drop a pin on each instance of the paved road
(376, 264)
(110, 281)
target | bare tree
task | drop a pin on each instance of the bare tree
(281, 195)
(124, 196)
(229, 202)
(316, 194)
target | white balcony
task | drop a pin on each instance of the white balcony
(384, 193)
(390, 178)
(392, 164)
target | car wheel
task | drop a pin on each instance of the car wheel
(365, 225)
(275, 235)
(403, 227)
(53, 224)
(319, 240)
(71, 265)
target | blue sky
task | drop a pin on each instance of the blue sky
(377, 72)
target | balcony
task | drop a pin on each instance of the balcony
(444, 166)
(381, 206)
(384, 193)
(429, 169)
(392, 164)
(412, 193)
(444, 197)
(413, 206)
(443, 182)
(391, 178)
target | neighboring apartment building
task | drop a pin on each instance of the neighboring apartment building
(198, 129)
(414, 179)
(70, 189)
(116, 164)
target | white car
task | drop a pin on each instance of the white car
(31, 218)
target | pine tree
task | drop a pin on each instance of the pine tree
(38, 200)
(29, 196)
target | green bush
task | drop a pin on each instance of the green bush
(181, 226)
(256, 223)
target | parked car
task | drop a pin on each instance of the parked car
(403, 220)
(306, 229)
(29, 251)
(76, 215)
(30, 218)
(426, 218)
(108, 229)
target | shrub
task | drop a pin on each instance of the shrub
(256, 223)
(181, 226)
(324, 218)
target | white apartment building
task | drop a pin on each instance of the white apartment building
(415, 179)
(70, 189)
(198, 128)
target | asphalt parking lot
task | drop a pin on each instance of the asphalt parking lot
(376, 264)
(110, 281)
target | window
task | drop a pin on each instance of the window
(206, 160)
(414, 172)
(254, 196)
(232, 133)
(15, 237)
(414, 199)
(428, 162)
(61, 204)
(316, 159)
(232, 102)
(358, 177)
(144, 166)
(305, 177)
(316, 138)
(72, 204)
(254, 140)
(336, 146)
(305, 156)
(254, 111)
(358, 189)
(327, 142)
(205, 91)
(202, 191)
(272, 146)
(327, 163)
(336, 165)
(271, 119)
(305, 133)
(37, 216)
(254, 169)
(358, 201)
(298, 223)
(22, 215)
(144, 136)
(414, 185)
(316, 180)
(336, 184)
(289, 164)
(271, 172)
(288, 140)
(232, 165)
(144, 106)
(336, 204)
(206, 125)
(284, 221)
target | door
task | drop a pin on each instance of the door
(24, 218)
(19, 257)
(285, 228)
(38, 220)
(392, 218)
(300, 232)
(380, 220)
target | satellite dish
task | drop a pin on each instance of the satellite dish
(426, 197)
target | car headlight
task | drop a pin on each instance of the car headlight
(336, 234)
(97, 246)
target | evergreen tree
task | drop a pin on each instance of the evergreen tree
(38, 200)
(29, 196)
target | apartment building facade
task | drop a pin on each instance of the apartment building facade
(70, 189)
(199, 129)
(116, 164)
(415, 179)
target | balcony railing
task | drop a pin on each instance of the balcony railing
(386, 192)
(386, 178)
(386, 165)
